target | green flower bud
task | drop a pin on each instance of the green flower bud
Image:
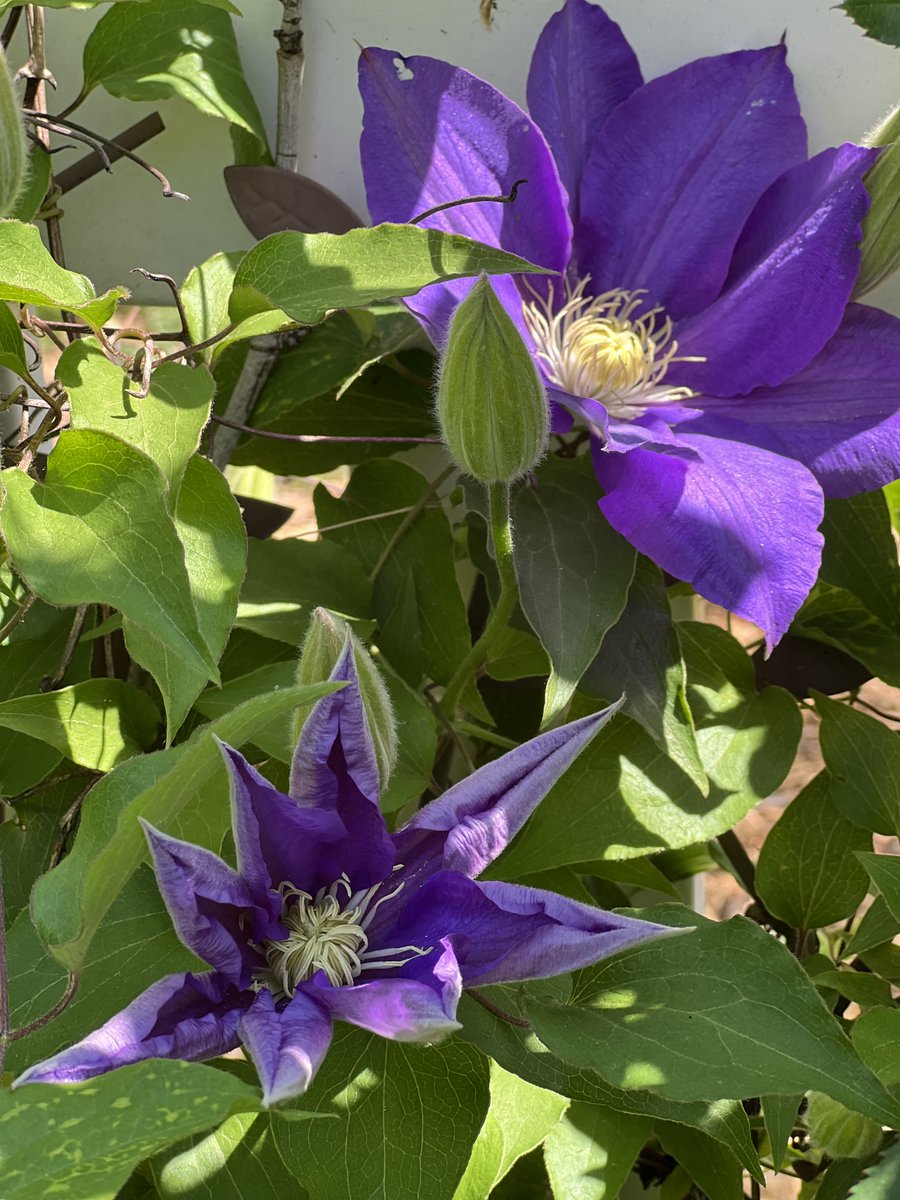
(881, 225)
(491, 405)
(325, 641)
(839, 1131)
(12, 142)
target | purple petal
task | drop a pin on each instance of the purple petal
(618, 436)
(502, 932)
(287, 1047)
(738, 523)
(214, 911)
(403, 1009)
(676, 171)
(277, 841)
(582, 68)
(793, 272)
(334, 770)
(183, 1016)
(466, 828)
(433, 133)
(840, 416)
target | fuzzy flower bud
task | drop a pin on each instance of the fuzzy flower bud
(12, 142)
(881, 225)
(325, 641)
(491, 405)
(839, 1131)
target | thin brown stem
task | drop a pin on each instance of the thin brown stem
(19, 615)
(51, 682)
(9, 29)
(496, 1010)
(317, 437)
(39, 1022)
(400, 532)
(187, 350)
(104, 156)
(506, 199)
(173, 288)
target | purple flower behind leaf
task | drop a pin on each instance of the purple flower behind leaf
(329, 916)
(700, 327)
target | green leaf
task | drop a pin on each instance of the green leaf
(287, 579)
(378, 497)
(211, 530)
(521, 1051)
(572, 605)
(408, 1116)
(714, 1169)
(838, 618)
(519, 1118)
(309, 274)
(881, 20)
(99, 530)
(165, 788)
(29, 839)
(863, 757)
(860, 553)
(417, 744)
(81, 1142)
(205, 294)
(623, 797)
(136, 945)
(165, 425)
(641, 659)
(12, 348)
(807, 873)
(37, 181)
(863, 989)
(236, 1161)
(876, 1039)
(274, 739)
(881, 1181)
(96, 724)
(878, 925)
(780, 1114)
(29, 275)
(590, 1153)
(884, 871)
(187, 49)
(720, 1011)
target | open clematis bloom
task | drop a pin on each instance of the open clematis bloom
(699, 325)
(329, 916)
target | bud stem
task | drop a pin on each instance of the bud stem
(501, 535)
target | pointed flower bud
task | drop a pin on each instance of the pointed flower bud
(325, 641)
(12, 142)
(491, 404)
(839, 1131)
(881, 225)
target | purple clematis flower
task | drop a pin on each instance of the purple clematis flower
(700, 326)
(329, 916)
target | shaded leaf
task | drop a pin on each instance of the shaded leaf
(271, 199)
(722, 1010)
(884, 871)
(714, 1169)
(863, 757)
(880, 19)
(408, 1116)
(876, 1039)
(807, 873)
(590, 1153)
(187, 49)
(780, 1115)
(573, 569)
(99, 530)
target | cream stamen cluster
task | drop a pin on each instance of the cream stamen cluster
(328, 934)
(603, 347)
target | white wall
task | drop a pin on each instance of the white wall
(846, 83)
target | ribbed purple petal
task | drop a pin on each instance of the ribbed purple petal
(334, 770)
(214, 910)
(183, 1016)
(502, 932)
(793, 272)
(433, 133)
(840, 416)
(675, 173)
(278, 841)
(421, 1009)
(737, 522)
(466, 828)
(287, 1047)
(581, 69)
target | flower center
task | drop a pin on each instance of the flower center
(326, 934)
(605, 348)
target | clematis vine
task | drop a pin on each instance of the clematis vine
(700, 325)
(328, 916)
